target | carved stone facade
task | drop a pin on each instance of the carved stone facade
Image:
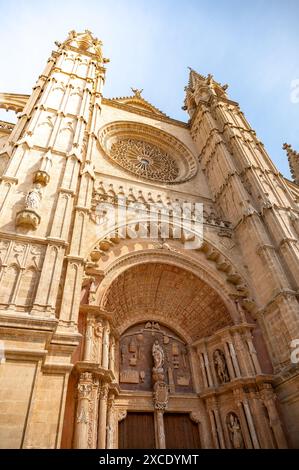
(102, 318)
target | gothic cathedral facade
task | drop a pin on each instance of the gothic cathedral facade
(119, 329)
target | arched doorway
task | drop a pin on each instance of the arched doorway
(209, 382)
(151, 356)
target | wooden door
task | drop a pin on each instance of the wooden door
(137, 431)
(181, 432)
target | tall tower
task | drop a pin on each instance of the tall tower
(263, 209)
(46, 189)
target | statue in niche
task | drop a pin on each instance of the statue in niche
(235, 432)
(220, 366)
(158, 355)
(34, 197)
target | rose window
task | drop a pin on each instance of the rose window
(144, 159)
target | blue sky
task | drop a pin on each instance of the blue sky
(253, 47)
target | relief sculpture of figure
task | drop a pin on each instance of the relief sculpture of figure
(220, 366)
(158, 355)
(235, 431)
(34, 197)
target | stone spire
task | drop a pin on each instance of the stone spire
(201, 89)
(293, 158)
(86, 43)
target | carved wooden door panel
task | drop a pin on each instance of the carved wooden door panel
(137, 431)
(181, 432)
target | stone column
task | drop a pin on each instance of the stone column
(105, 354)
(242, 359)
(238, 394)
(262, 424)
(234, 359)
(82, 416)
(253, 355)
(213, 426)
(269, 401)
(219, 427)
(203, 369)
(247, 410)
(102, 423)
(160, 432)
(110, 441)
(228, 361)
(88, 345)
(98, 332)
(213, 407)
(112, 354)
(207, 366)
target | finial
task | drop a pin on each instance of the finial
(287, 147)
(137, 92)
(293, 158)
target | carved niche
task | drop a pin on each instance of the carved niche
(137, 360)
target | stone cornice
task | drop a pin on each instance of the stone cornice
(32, 239)
(236, 384)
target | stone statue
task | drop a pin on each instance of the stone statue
(220, 366)
(34, 197)
(158, 355)
(234, 428)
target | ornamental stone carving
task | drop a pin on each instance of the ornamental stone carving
(234, 428)
(147, 152)
(220, 366)
(28, 217)
(144, 159)
(34, 197)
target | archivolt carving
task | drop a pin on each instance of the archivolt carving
(211, 253)
(148, 151)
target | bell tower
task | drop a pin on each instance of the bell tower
(46, 189)
(251, 193)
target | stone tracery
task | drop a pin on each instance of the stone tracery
(144, 159)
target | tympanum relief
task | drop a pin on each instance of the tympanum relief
(150, 352)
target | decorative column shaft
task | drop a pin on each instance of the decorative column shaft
(234, 359)
(82, 417)
(268, 398)
(110, 444)
(105, 354)
(88, 345)
(229, 361)
(203, 370)
(160, 429)
(250, 424)
(207, 366)
(102, 423)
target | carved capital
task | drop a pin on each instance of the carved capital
(103, 393)
(121, 414)
(195, 416)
